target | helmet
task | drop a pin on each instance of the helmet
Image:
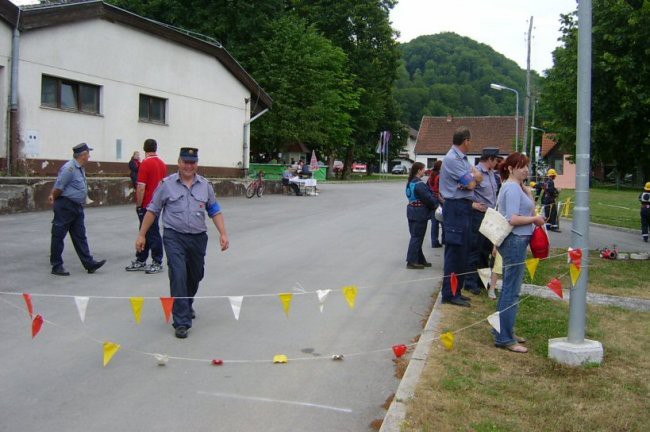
(533, 184)
(647, 187)
(552, 172)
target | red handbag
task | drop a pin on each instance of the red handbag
(540, 245)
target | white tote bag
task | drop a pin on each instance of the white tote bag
(495, 227)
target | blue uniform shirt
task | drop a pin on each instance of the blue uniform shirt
(185, 208)
(514, 201)
(486, 191)
(454, 175)
(72, 181)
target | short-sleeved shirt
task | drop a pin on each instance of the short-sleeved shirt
(72, 182)
(455, 168)
(152, 171)
(514, 201)
(486, 191)
(185, 207)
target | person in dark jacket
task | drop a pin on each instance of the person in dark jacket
(644, 198)
(418, 212)
(549, 201)
(434, 185)
(134, 167)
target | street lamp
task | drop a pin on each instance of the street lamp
(502, 87)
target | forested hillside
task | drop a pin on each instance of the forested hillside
(450, 74)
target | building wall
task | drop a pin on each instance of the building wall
(5, 76)
(568, 178)
(205, 103)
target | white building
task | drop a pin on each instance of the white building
(91, 72)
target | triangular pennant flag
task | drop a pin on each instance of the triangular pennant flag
(454, 284)
(447, 340)
(82, 305)
(575, 257)
(575, 272)
(235, 304)
(28, 302)
(162, 359)
(495, 321)
(485, 274)
(136, 304)
(322, 295)
(350, 293)
(167, 305)
(531, 265)
(280, 358)
(110, 349)
(556, 286)
(37, 323)
(286, 298)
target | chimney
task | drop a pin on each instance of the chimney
(449, 118)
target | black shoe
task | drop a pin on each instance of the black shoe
(457, 302)
(467, 299)
(60, 271)
(436, 245)
(181, 332)
(414, 266)
(426, 264)
(94, 266)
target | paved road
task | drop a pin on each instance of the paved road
(350, 234)
(601, 236)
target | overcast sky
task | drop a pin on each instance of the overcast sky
(502, 24)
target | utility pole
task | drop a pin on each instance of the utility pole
(527, 101)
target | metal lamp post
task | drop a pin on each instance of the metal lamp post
(502, 87)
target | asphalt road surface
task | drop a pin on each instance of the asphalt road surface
(348, 235)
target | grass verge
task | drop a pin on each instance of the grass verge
(611, 207)
(477, 387)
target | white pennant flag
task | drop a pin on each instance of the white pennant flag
(495, 321)
(485, 274)
(235, 304)
(322, 295)
(82, 305)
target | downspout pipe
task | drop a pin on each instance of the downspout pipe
(247, 139)
(12, 142)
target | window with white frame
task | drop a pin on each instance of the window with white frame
(153, 109)
(69, 95)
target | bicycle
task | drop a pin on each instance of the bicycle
(256, 187)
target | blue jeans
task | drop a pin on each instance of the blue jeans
(513, 251)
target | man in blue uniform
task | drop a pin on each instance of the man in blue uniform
(457, 182)
(68, 197)
(185, 197)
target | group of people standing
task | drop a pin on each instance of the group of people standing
(465, 192)
(180, 200)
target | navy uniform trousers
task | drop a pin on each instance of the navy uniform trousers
(480, 251)
(153, 240)
(185, 263)
(69, 218)
(457, 227)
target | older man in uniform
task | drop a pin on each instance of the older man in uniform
(458, 178)
(185, 197)
(485, 196)
(68, 197)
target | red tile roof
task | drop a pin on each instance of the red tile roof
(436, 133)
(548, 143)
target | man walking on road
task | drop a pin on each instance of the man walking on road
(151, 172)
(68, 197)
(457, 182)
(185, 198)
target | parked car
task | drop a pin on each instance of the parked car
(358, 167)
(337, 166)
(399, 169)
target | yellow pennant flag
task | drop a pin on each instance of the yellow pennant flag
(286, 302)
(531, 265)
(110, 349)
(575, 273)
(280, 358)
(136, 304)
(350, 293)
(447, 340)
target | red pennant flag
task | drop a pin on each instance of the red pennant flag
(454, 284)
(556, 286)
(28, 301)
(576, 257)
(399, 350)
(167, 305)
(37, 323)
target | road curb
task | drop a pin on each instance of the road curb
(397, 411)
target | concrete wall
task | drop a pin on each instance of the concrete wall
(205, 103)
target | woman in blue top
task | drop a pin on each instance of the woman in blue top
(418, 212)
(516, 204)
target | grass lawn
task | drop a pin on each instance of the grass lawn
(477, 387)
(611, 207)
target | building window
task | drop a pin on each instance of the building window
(152, 109)
(558, 165)
(69, 95)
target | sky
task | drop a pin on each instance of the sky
(501, 24)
